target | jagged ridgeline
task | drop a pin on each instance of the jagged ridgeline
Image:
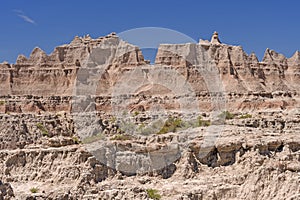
(242, 75)
(94, 120)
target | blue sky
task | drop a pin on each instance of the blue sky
(256, 24)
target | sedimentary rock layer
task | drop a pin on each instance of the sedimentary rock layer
(255, 154)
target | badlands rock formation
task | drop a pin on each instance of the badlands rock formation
(64, 133)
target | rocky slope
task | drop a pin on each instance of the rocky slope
(62, 134)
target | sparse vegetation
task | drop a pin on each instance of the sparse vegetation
(171, 125)
(121, 137)
(76, 140)
(245, 116)
(113, 119)
(176, 124)
(34, 190)
(151, 128)
(227, 115)
(2, 103)
(136, 113)
(93, 138)
(202, 122)
(153, 194)
(41, 127)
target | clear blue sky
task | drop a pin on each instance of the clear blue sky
(255, 24)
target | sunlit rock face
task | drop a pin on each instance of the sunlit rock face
(75, 124)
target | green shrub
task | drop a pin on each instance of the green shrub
(175, 124)
(136, 113)
(227, 115)
(171, 125)
(76, 140)
(42, 129)
(113, 119)
(202, 122)
(121, 137)
(153, 194)
(2, 103)
(34, 190)
(245, 116)
(39, 125)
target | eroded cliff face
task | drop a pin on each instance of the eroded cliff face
(55, 74)
(255, 156)
(271, 83)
